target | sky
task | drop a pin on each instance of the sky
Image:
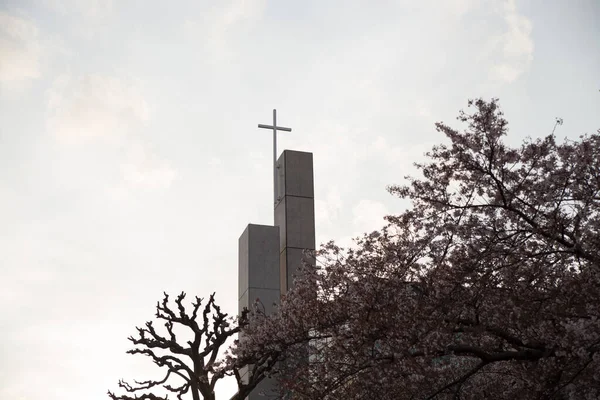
(131, 161)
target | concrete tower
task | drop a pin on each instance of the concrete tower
(294, 212)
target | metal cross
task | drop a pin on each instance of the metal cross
(275, 128)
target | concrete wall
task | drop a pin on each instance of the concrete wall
(294, 212)
(258, 278)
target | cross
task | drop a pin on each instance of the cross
(275, 128)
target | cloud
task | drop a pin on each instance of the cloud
(145, 169)
(368, 215)
(515, 45)
(327, 210)
(226, 17)
(215, 162)
(20, 50)
(94, 107)
(85, 17)
(456, 8)
(402, 157)
(422, 109)
(216, 26)
(343, 142)
(88, 9)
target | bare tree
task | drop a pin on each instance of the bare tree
(199, 363)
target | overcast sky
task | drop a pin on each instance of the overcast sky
(130, 160)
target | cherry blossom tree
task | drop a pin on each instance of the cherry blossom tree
(488, 286)
(194, 353)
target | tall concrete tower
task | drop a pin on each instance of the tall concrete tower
(294, 212)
